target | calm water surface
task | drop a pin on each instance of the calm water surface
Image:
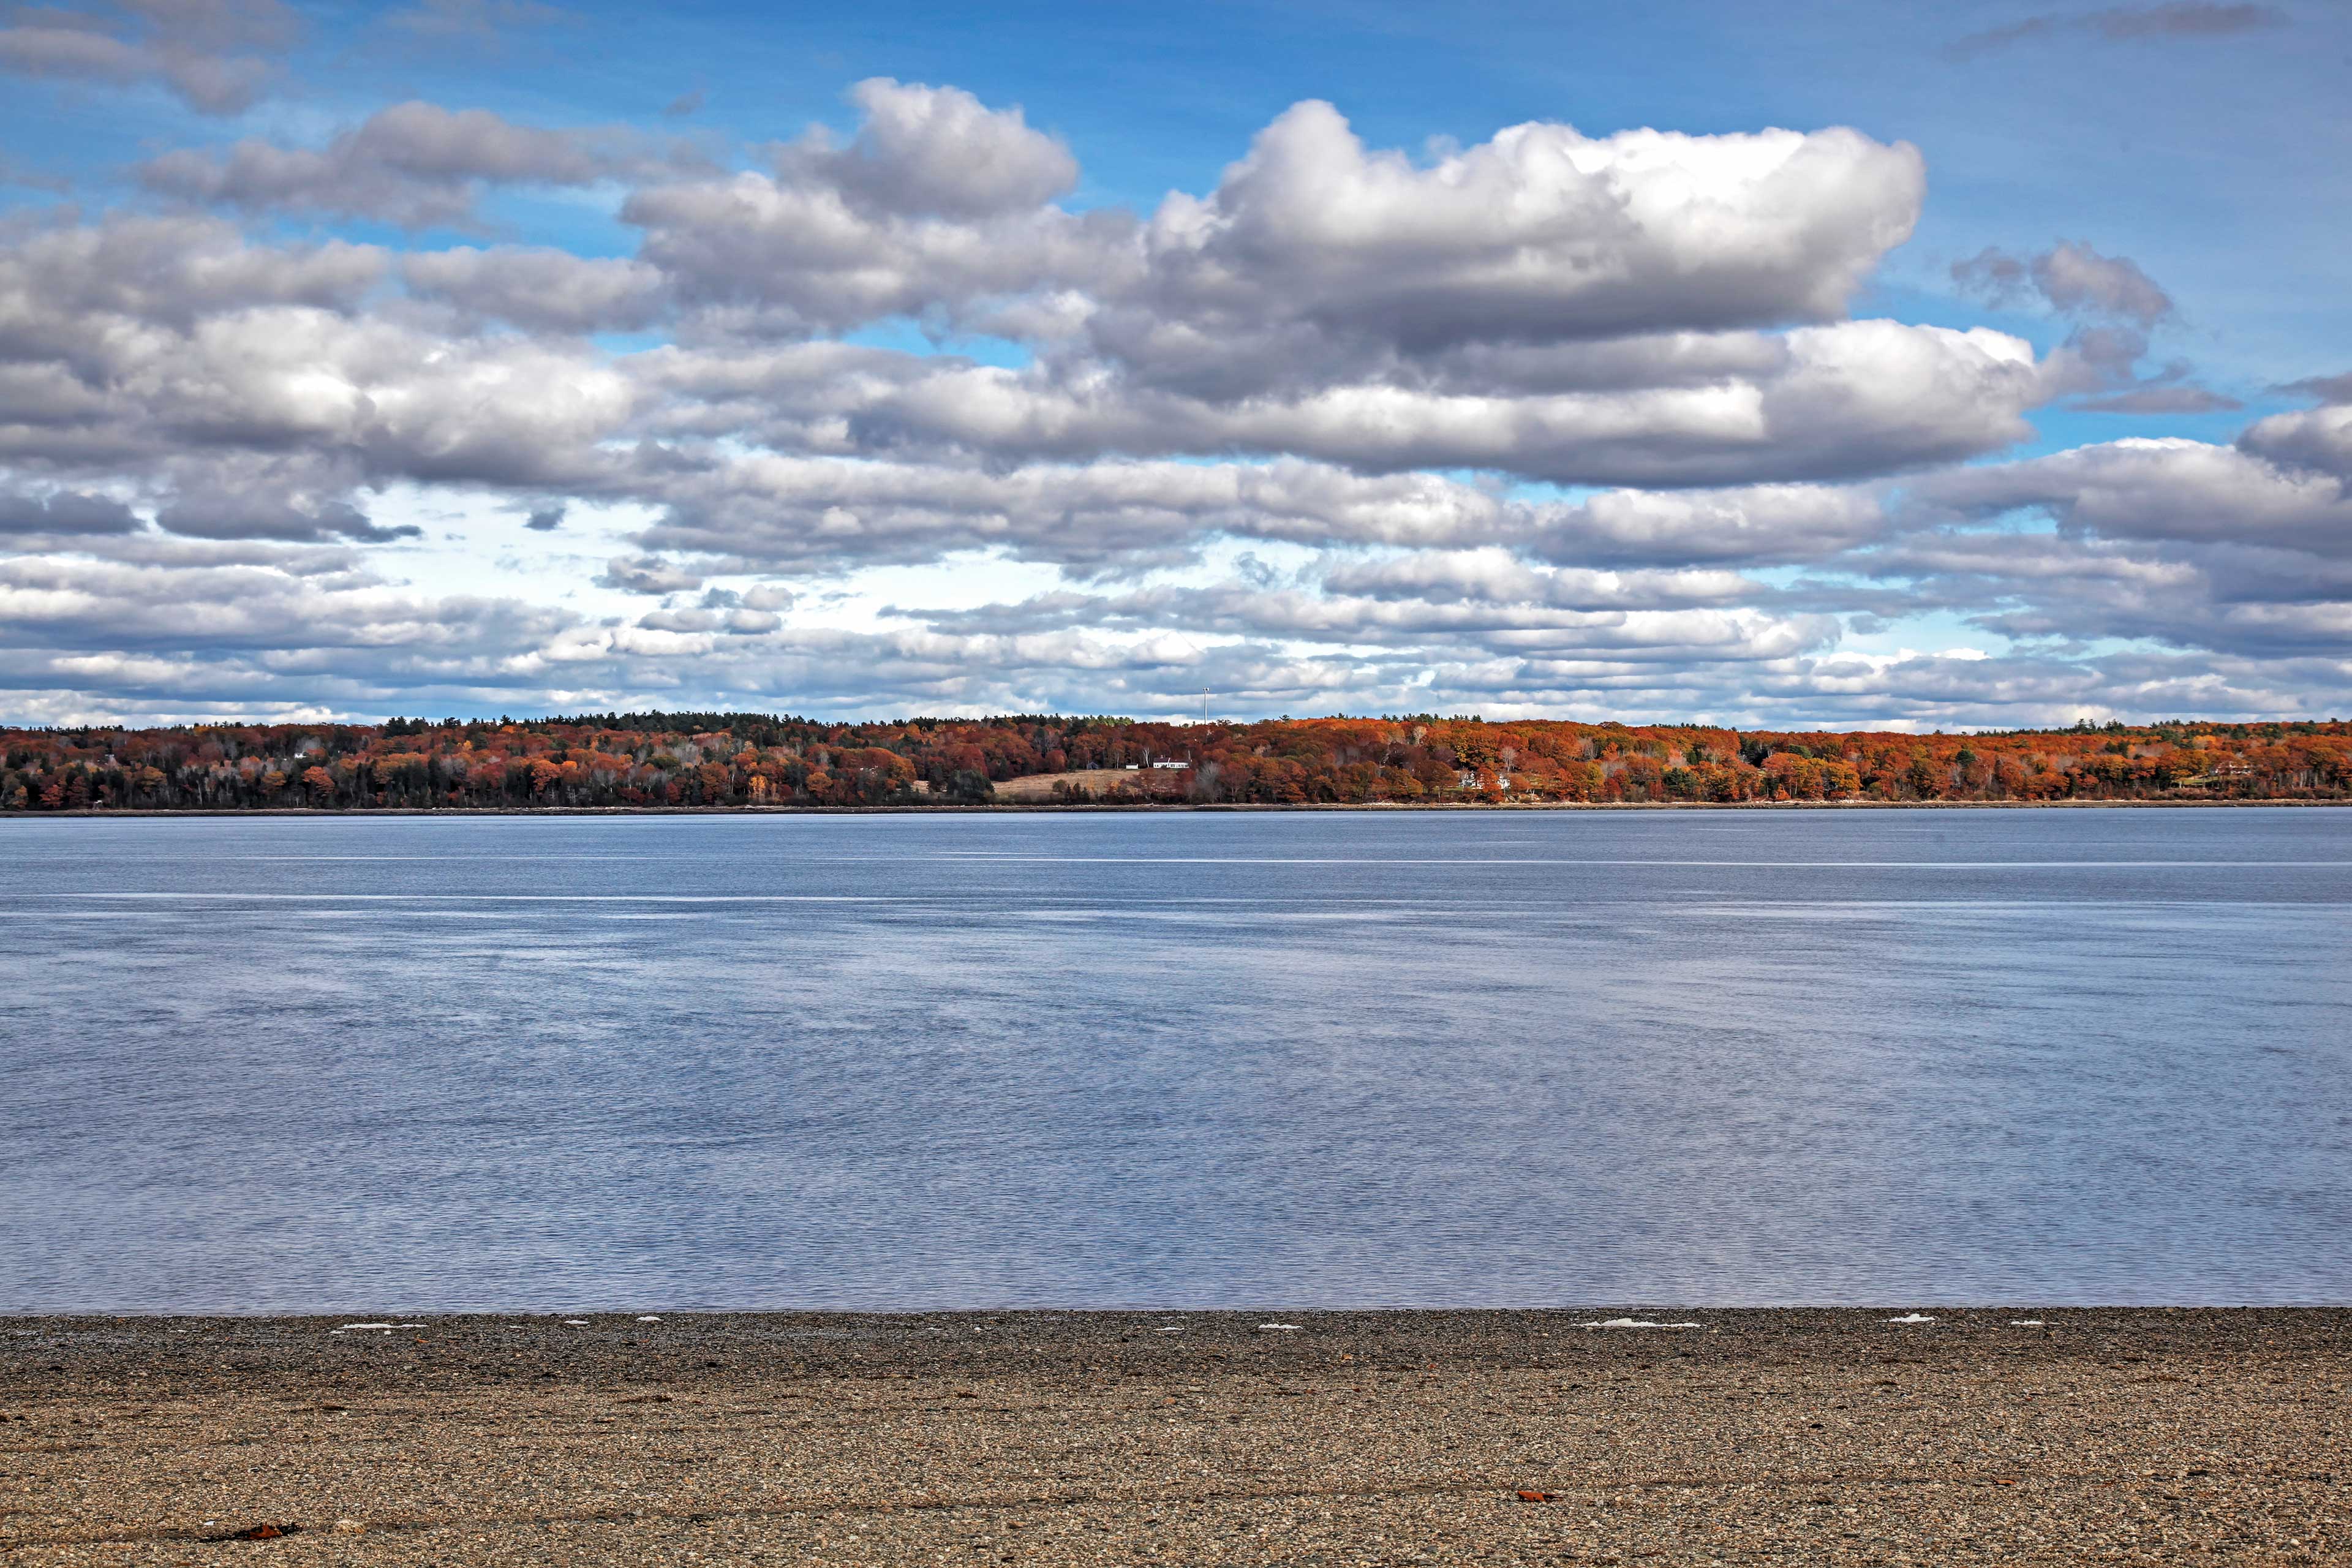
(1180, 1060)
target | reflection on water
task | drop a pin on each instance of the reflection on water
(1183, 1060)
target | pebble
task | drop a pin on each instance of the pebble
(1766, 1437)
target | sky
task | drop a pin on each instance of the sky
(1836, 365)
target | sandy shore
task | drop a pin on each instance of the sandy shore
(1448, 1437)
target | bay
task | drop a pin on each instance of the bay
(1187, 1059)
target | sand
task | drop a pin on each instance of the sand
(1776, 1437)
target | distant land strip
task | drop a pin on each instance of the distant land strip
(718, 762)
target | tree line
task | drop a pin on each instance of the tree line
(653, 760)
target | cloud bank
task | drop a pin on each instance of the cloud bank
(889, 420)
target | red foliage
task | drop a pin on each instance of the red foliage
(749, 759)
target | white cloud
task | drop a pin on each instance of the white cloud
(214, 55)
(539, 289)
(1283, 439)
(1539, 235)
(1844, 400)
(2319, 439)
(416, 164)
(2162, 489)
(935, 151)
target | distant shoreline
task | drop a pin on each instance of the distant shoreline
(1098, 807)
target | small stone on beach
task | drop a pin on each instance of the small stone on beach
(1637, 1323)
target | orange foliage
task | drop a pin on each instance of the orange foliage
(737, 759)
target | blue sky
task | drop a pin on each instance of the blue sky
(487, 356)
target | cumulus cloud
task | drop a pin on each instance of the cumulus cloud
(701, 618)
(64, 512)
(2071, 277)
(769, 256)
(216, 56)
(1455, 608)
(538, 288)
(1539, 235)
(65, 286)
(281, 604)
(2161, 489)
(1117, 517)
(817, 513)
(1552, 423)
(2074, 278)
(1495, 576)
(209, 512)
(2061, 593)
(2325, 388)
(934, 208)
(81, 637)
(1552, 305)
(1547, 304)
(1312, 247)
(416, 164)
(1758, 524)
(936, 151)
(2318, 439)
(648, 575)
(1846, 399)
(247, 389)
(2116, 305)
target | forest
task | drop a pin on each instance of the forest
(652, 761)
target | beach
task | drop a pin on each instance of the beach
(2011, 1435)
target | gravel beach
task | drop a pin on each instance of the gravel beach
(2010, 1436)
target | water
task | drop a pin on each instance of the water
(1177, 1060)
